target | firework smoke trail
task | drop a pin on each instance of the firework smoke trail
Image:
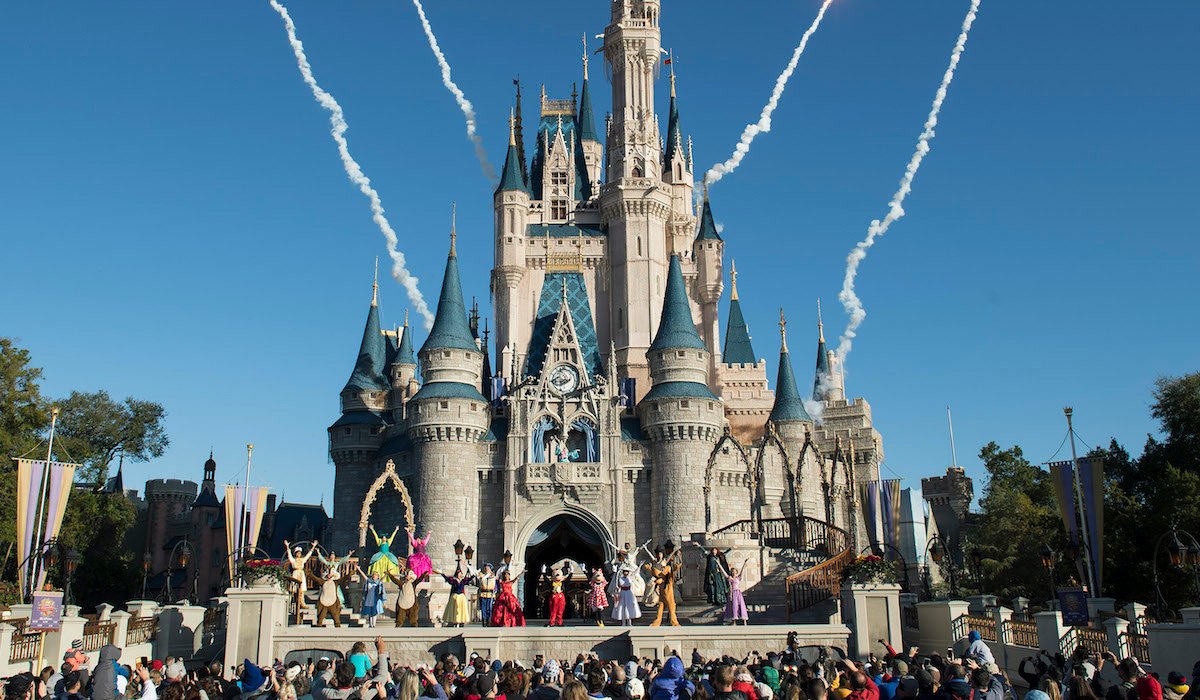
(463, 103)
(763, 125)
(337, 120)
(849, 299)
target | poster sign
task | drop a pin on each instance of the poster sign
(1074, 605)
(47, 610)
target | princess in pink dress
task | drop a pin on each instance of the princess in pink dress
(418, 561)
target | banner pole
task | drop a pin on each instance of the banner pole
(243, 530)
(1085, 545)
(43, 493)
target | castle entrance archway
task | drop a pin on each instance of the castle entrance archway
(571, 535)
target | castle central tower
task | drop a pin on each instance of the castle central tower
(635, 203)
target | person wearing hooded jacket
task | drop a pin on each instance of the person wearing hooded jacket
(104, 679)
(670, 684)
(979, 650)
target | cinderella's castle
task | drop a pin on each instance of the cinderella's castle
(610, 410)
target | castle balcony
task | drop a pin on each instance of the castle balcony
(542, 476)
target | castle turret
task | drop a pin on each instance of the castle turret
(789, 416)
(404, 370)
(589, 140)
(677, 173)
(829, 383)
(742, 375)
(682, 417)
(709, 252)
(511, 203)
(447, 418)
(367, 387)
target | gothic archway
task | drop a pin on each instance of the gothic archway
(388, 475)
(561, 531)
(719, 449)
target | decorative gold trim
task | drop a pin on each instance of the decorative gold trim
(389, 474)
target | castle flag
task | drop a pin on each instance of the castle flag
(255, 501)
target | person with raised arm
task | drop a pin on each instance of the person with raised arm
(298, 561)
(384, 562)
(507, 610)
(735, 608)
(419, 562)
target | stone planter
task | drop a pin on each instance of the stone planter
(872, 612)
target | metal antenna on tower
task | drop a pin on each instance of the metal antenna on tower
(953, 453)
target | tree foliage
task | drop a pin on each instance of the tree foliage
(93, 428)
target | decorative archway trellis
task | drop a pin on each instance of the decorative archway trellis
(771, 437)
(708, 475)
(388, 475)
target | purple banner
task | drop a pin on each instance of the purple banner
(1091, 483)
(46, 613)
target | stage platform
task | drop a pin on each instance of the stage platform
(409, 645)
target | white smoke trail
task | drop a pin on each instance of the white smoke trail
(763, 125)
(463, 103)
(338, 123)
(849, 299)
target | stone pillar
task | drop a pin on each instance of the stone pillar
(872, 612)
(1191, 616)
(58, 641)
(1099, 605)
(1020, 606)
(142, 608)
(938, 622)
(1115, 628)
(121, 633)
(6, 635)
(252, 618)
(1134, 612)
(978, 604)
(1050, 630)
(104, 612)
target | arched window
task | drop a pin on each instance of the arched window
(583, 442)
(637, 171)
(545, 433)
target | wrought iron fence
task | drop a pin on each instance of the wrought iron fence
(97, 633)
(1136, 645)
(985, 626)
(1092, 639)
(1020, 633)
(141, 630)
(26, 644)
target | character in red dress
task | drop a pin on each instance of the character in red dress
(597, 599)
(506, 611)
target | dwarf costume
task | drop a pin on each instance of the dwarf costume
(406, 599)
(329, 602)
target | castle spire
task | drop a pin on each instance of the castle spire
(369, 368)
(404, 353)
(823, 373)
(733, 294)
(788, 404)
(820, 323)
(738, 350)
(453, 232)
(674, 145)
(450, 327)
(676, 329)
(511, 177)
(708, 225)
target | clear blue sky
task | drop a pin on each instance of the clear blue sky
(176, 225)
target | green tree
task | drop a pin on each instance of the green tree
(93, 429)
(23, 414)
(95, 525)
(1017, 517)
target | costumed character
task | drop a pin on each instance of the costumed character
(507, 610)
(650, 596)
(457, 612)
(373, 597)
(338, 563)
(384, 562)
(597, 598)
(419, 561)
(486, 580)
(625, 588)
(735, 609)
(557, 604)
(666, 571)
(329, 602)
(406, 598)
(716, 588)
(298, 561)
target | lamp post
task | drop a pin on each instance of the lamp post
(147, 560)
(937, 550)
(469, 552)
(180, 557)
(1049, 559)
(977, 568)
(458, 552)
(70, 564)
(1183, 552)
(881, 550)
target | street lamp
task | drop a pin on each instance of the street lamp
(1183, 551)
(883, 550)
(147, 561)
(179, 557)
(458, 551)
(70, 564)
(1049, 559)
(937, 550)
(470, 554)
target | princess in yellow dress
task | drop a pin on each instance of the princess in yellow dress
(384, 562)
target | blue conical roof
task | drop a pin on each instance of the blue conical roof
(404, 354)
(788, 404)
(450, 327)
(587, 125)
(674, 136)
(676, 329)
(738, 350)
(369, 369)
(511, 177)
(708, 227)
(822, 368)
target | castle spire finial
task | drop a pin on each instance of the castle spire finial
(453, 233)
(782, 331)
(671, 63)
(733, 295)
(585, 57)
(406, 318)
(512, 128)
(820, 323)
(375, 285)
